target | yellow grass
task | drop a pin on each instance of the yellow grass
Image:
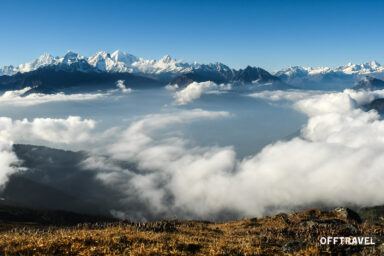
(264, 236)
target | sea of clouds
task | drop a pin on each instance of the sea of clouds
(337, 159)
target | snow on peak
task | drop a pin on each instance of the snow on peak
(44, 60)
(361, 69)
(166, 59)
(374, 64)
(101, 60)
(163, 65)
(71, 57)
(120, 56)
(118, 61)
(348, 69)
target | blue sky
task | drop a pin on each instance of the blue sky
(270, 34)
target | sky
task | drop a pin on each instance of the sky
(269, 34)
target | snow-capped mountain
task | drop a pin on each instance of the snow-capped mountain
(361, 69)
(44, 60)
(103, 69)
(171, 70)
(72, 59)
(118, 61)
(349, 69)
(324, 77)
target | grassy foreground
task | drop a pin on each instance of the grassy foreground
(283, 234)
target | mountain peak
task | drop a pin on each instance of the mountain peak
(119, 52)
(120, 56)
(103, 53)
(166, 59)
(374, 64)
(45, 56)
(70, 53)
(71, 57)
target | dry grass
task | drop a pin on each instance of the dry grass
(296, 234)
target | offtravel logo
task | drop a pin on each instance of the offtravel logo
(361, 240)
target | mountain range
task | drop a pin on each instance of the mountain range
(102, 70)
(102, 61)
(330, 78)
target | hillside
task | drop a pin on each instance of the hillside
(377, 104)
(11, 216)
(49, 80)
(369, 83)
(283, 234)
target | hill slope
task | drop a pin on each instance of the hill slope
(282, 234)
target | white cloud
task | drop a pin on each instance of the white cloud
(17, 97)
(317, 102)
(66, 131)
(290, 95)
(8, 162)
(38, 131)
(120, 84)
(172, 87)
(337, 160)
(194, 91)
(137, 136)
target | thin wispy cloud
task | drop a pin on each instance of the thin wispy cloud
(23, 98)
(19, 97)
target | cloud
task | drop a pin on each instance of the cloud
(172, 87)
(194, 91)
(138, 135)
(338, 102)
(317, 102)
(159, 173)
(66, 131)
(120, 84)
(18, 97)
(72, 130)
(337, 160)
(8, 162)
(290, 95)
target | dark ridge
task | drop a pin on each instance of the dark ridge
(369, 83)
(219, 73)
(250, 74)
(372, 214)
(377, 104)
(12, 214)
(50, 79)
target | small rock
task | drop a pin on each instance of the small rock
(347, 214)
